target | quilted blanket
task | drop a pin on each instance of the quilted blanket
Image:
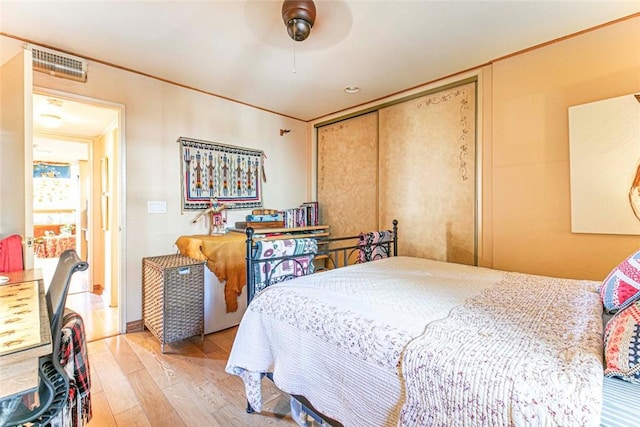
(407, 341)
(515, 355)
(301, 251)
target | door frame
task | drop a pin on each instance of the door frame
(119, 169)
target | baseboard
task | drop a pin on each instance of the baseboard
(135, 326)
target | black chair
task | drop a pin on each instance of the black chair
(53, 390)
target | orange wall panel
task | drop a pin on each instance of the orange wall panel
(531, 203)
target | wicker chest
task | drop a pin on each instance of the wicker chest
(173, 297)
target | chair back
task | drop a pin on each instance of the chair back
(68, 264)
(54, 382)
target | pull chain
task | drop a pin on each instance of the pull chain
(294, 57)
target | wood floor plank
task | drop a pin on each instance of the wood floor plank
(153, 402)
(232, 416)
(127, 359)
(212, 349)
(189, 362)
(101, 411)
(92, 349)
(97, 346)
(187, 385)
(149, 354)
(132, 417)
(100, 320)
(224, 338)
(193, 405)
(96, 384)
(114, 383)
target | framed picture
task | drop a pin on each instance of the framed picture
(604, 142)
(228, 174)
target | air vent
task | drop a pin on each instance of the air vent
(59, 64)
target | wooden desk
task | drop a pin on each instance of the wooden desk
(25, 332)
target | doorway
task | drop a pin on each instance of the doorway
(74, 207)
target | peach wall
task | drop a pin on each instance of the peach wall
(531, 216)
(155, 115)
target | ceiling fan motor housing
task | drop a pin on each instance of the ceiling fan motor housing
(299, 16)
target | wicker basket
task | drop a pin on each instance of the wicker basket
(173, 297)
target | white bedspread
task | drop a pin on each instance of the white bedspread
(358, 343)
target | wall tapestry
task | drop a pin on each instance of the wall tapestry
(223, 172)
(604, 142)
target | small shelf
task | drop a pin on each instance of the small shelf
(289, 232)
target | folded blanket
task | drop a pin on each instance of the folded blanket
(372, 247)
(278, 270)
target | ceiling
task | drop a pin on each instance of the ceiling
(69, 140)
(240, 50)
(78, 118)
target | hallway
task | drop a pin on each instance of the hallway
(100, 320)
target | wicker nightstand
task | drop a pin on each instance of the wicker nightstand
(173, 297)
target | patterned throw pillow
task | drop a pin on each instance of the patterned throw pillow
(622, 285)
(622, 344)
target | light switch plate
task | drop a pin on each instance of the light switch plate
(157, 206)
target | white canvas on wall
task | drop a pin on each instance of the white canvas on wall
(604, 141)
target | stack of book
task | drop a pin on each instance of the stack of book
(262, 218)
(303, 216)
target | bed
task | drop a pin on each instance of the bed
(415, 342)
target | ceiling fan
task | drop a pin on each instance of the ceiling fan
(299, 16)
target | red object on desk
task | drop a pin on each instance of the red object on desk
(11, 253)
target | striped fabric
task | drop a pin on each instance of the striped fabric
(620, 403)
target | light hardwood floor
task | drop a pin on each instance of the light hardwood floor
(100, 320)
(134, 384)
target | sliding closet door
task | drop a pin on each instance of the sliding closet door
(428, 175)
(348, 175)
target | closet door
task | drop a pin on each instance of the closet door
(428, 174)
(348, 175)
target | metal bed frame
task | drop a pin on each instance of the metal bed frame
(334, 252)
